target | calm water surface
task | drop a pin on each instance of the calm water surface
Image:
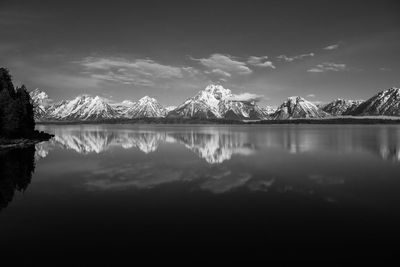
(293, 189)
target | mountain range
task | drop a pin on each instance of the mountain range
(214, 102)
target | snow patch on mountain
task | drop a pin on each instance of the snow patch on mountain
(296, 107)
(40, 101)
(122, 107)
(146, 107)
(170, 108)
(386, 102)
(215, 101)
(83, 108)
(341, 106)
(269, 110)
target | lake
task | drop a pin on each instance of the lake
(305, 191)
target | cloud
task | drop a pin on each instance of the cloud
(318, 103)
(315, 70)
(224, 63)
(122, 78)
(142, 175)
(141, 72)
(328, 66)
(253, 60)
(290, 59)
(246, 97)
(227, 182)
(220, 72)
(260, 62)
(332, 47)
(311, 95)
(267, 64)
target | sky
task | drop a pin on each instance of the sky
(264, 50)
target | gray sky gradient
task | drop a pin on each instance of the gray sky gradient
(169, 50)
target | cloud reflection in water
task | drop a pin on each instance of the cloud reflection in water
(216, 146)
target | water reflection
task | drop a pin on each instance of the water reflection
(216, 145)
(379, 140)
(154, 184)
(16, 169)
(213, 146)
(302, 159)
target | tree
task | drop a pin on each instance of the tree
(26, 122)
(6, 82)
(16, 109)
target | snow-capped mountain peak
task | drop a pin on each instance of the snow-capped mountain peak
(386, 102)
(147, 99)
(218, 91)
(122, 107)
(38, 95)
(341, 106)
(84, 107)
(40, 101)
(146, 107)
(296, 107)
(215, 102)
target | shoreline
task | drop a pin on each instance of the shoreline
(333, 120)
(17, 143)
(37, 137)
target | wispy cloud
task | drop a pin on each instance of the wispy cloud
(293, 58)
(220, 72)
(143, 66)
(311, 95)
(247, 97)
(328, 66)
(260, 62)
(140, 72)
(224, 65)
(123, 78)
(317, 102)
(332, 47)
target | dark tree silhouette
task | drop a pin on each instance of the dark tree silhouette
(6, 82)
(16, 109)
(26, 113)
(16, 169)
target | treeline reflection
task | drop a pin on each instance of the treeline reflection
(16, 169)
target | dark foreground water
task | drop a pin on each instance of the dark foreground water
(320, 192)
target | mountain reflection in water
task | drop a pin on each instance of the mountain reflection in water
(216, 145)
(107, 188)
(228, 157)
(211, 145)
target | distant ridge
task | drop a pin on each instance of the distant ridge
(212, 103)
(296, 107)
(341, 107)
(386, 102)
